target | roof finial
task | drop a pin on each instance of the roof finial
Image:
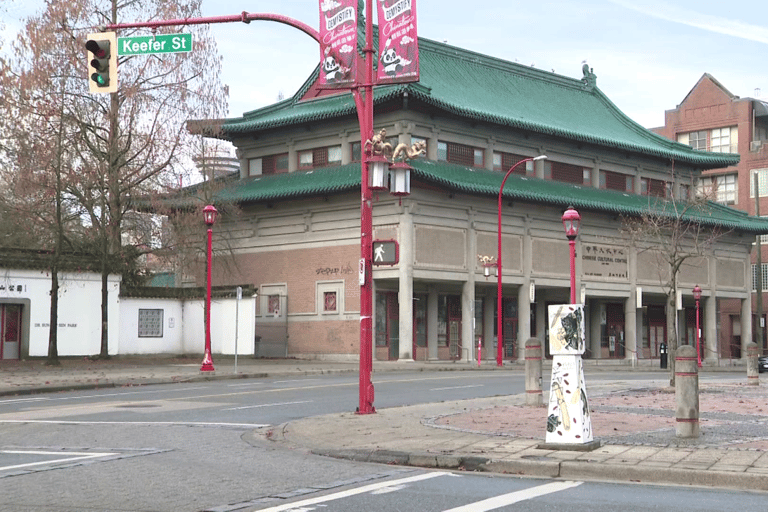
(589, 78)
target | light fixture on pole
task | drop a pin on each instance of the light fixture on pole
(209, 216)
(499, 313)
(697, 296)
(378, 170)
(571, 222)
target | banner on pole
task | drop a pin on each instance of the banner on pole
(338, 44)
(398, 42)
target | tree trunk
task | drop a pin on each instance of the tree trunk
(53, 351)
(671, 333)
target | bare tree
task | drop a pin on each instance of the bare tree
(676, 232)
(128, 143)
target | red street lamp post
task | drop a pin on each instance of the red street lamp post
(209, 215)
(499, 312)
(571, 221)
(697, 296)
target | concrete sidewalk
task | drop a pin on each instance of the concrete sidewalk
(635, 426)
(635, 423)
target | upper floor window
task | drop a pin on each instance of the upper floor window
(567, 173)
(697, 140)
(762, 182)
(718, 140)
(651, 187)
(505, 161)
(460, 154)
(616, 181)
(319, 157)
(270, 164)
(723, 189)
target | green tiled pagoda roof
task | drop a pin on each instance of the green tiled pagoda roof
(483, 182)
(483, 88)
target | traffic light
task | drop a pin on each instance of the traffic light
(102, 63)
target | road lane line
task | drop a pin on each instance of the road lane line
(353, 492)
(515, 497)
(266, 405)
(144, 423)
(74, 456)
(458, 387)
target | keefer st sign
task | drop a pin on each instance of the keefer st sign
(165, 43)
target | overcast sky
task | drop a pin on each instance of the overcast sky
(647, 54)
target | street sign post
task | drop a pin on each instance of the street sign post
(163, 43)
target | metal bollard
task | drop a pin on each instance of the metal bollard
(686, 392)
(753, 379)
(533, 354)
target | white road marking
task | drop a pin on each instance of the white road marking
(145, 423)
(125, 393)
(293, 380)
(245, 384)
(386, 490)
(458, 387)
(17, 400)
(297, 505)
(266, 405)
(515, 497)
(75, 456)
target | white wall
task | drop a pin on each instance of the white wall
(79, 312)
(184, 327)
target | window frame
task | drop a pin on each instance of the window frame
(150, 331)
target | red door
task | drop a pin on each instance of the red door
(10, 331)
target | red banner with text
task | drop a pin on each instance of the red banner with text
(338, 44)
(398, 42)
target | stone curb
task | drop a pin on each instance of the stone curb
(565, 469)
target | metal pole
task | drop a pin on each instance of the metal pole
(366, 392)
(499, 315)
(759, 268)
(572, 245)
(237, 320)
(207, 365)
(698, 347)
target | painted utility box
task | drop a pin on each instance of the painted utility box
(568, 420)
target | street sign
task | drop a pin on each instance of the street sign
(385, 252)
(145, 45)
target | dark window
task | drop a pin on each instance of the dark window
(651, 187)
(460, 154)
(558, 171)
(505, 161)
(274, 164)
(616, 181)
(319, 157)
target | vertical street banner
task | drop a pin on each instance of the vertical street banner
(398, 42)
(338, 44)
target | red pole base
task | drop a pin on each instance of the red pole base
(207, 363)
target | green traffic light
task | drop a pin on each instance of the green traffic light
(101, 80)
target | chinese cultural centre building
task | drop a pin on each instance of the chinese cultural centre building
(711, 118)
(296, 234)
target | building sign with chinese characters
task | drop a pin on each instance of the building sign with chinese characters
(606, 261)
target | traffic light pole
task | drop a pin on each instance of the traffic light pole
(363, 96)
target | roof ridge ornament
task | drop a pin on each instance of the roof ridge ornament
(589, 78)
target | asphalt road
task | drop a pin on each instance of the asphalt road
(179, 447)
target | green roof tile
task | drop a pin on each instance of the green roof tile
(474, 181)
(484, 88)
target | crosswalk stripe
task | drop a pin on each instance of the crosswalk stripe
(352, 492)
(515, 497)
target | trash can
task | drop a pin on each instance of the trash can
(256, 342)
(663, 355)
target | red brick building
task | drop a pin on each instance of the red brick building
(711, 118)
